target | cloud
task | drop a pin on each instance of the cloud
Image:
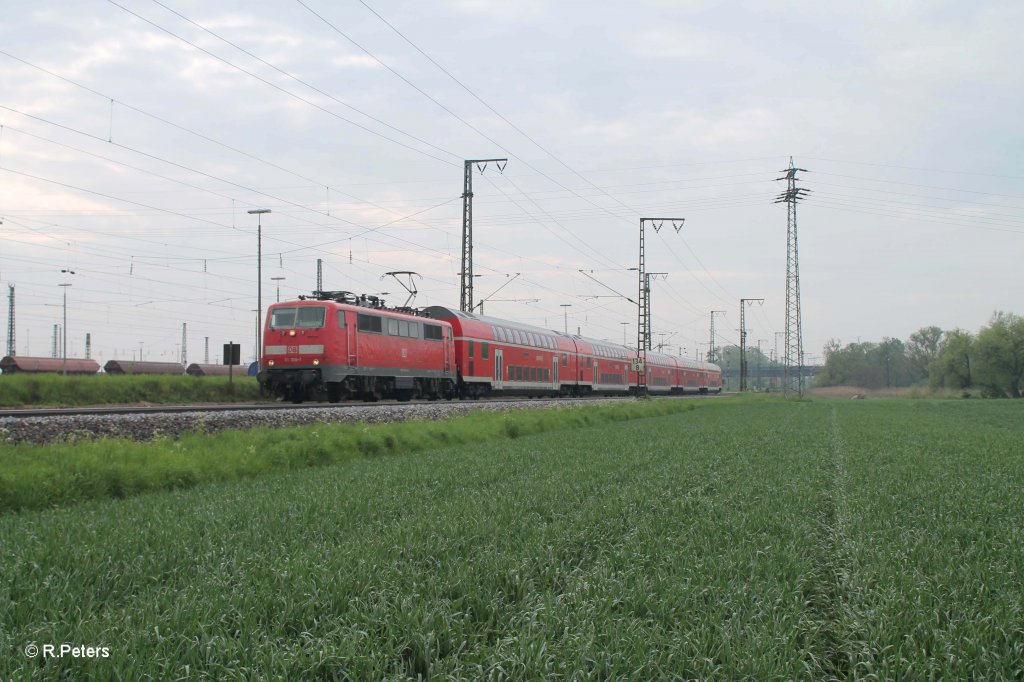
(517, 11)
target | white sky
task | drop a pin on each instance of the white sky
(907, 116)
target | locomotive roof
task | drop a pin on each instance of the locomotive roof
(364, 305)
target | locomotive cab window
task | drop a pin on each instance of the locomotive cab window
(310, 317)
(282, 318)
(306, 317)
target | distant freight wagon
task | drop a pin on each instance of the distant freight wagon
(139, 367)
(22, 364)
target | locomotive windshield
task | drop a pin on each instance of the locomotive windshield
(306, 317)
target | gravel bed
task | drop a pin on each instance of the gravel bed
(143, 427)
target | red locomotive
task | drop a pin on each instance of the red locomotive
(340, 345)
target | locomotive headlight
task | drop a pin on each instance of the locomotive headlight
(291, 332)
(270, 362)
(316, 361)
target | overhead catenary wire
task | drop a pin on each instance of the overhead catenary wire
(512, 125)
(281, 89)
(306, 83)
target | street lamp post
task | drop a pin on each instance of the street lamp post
(64, 343)
(257, 336)
(259, 273)
(64, 354)
(278, 280)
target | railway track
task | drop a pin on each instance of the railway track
(147, 422)
(99, 410)
(153, 409)
(23, 413)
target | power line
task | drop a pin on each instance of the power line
(279, 88)
(302, 82)
(512, 125)
(913, 184)
(919, 168)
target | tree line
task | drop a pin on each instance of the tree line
(991, 361)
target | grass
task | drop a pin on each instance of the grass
(40, 476)
(744, 540)
(54, 390)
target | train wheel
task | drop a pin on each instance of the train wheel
(334, 392)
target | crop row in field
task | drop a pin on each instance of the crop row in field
(764, 540)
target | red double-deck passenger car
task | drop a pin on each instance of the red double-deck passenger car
(495, 355)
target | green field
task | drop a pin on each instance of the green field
(744, 539)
